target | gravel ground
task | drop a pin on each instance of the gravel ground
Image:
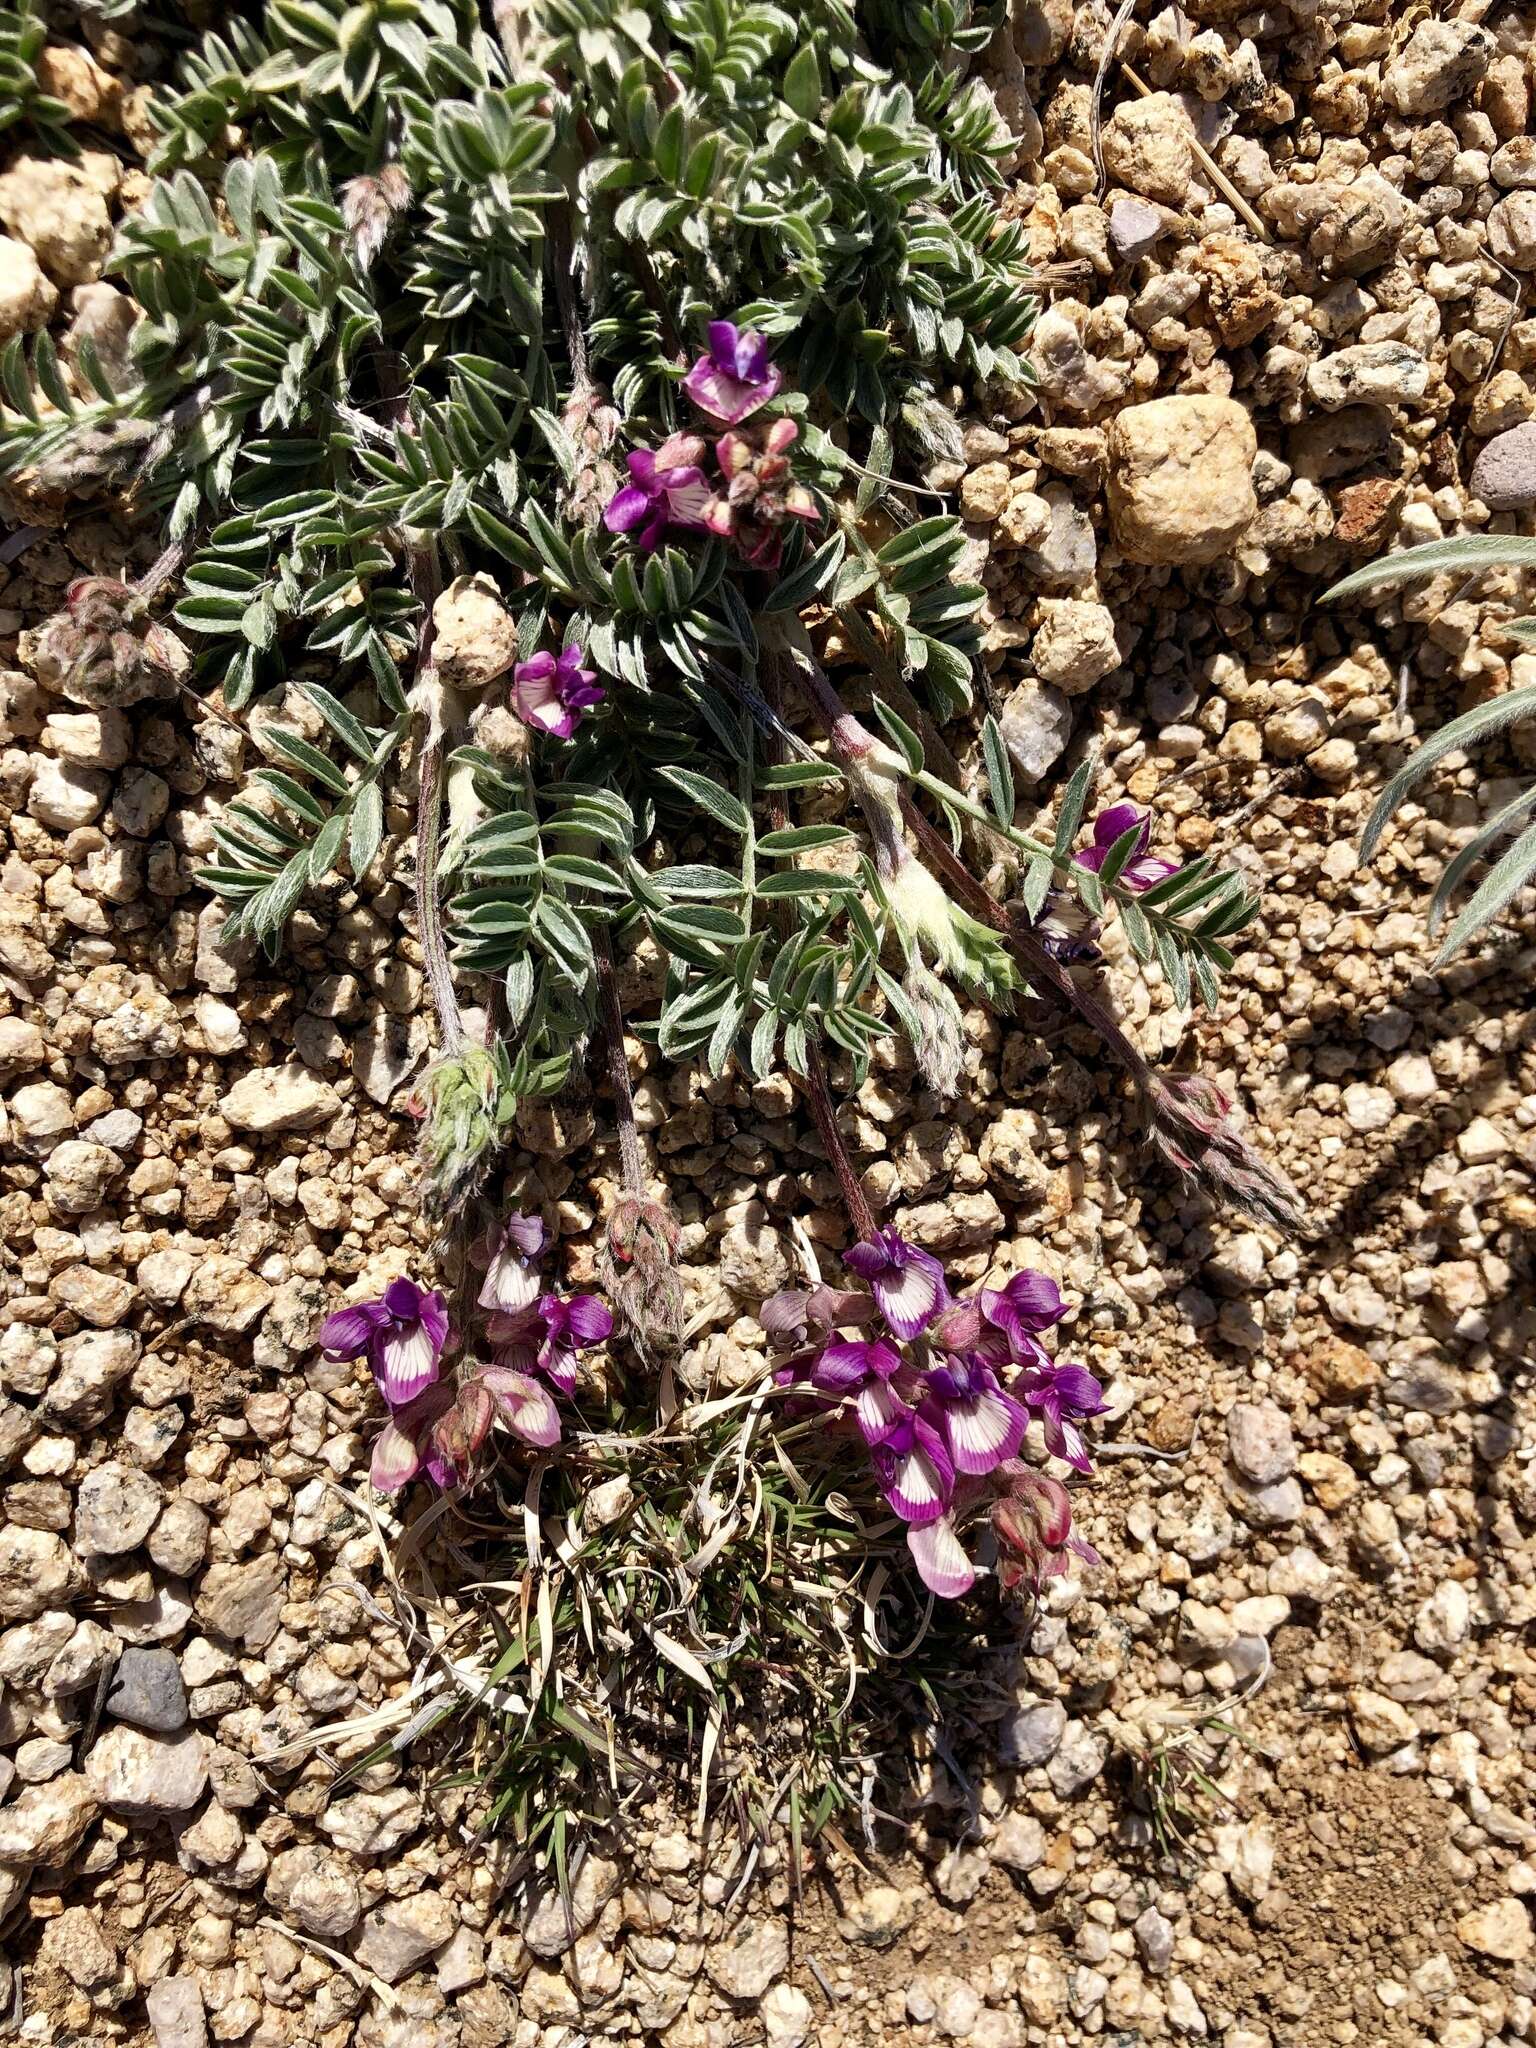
(1249, 382)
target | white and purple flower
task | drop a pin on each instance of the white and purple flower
(551, 691)
(914, 1469)
(907, 1283)
(861, 1370)
(403, 1335)
(1031, 1302)
(1143, 870)
(507, 1255)
(980, 1424)
(666, 493)
(1062, 1396)
(549, 1335)
(735, 377)
(940, 1558)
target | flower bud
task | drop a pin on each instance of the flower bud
(104, 650)
(638, 1268)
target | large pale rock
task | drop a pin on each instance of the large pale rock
(1074, 645)
(243, 1602)
(475, 637)
(27, 299)
(58, 210)
(1504, 474)
(146, 1776)
(44, 1824)
(1180, 478)
(35, 1571)
(1147, 147)
(317, 1889)
(270, 1099)
(115, 1510)
(402, 1933)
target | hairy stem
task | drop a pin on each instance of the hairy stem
(618, 1067)
(854, 1199)
(1022, 943)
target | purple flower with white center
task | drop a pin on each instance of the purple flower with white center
(1143, 870)
(735, 377)
(914, 1469)
(506, 1254)
(940, 1558)
(907, 1283)
(551, 691)
(402, 1335)
(863, 1369)
(666, 492)
(1030, 1302)
(1062, 1396)
(572, 1324)
(981, 1424)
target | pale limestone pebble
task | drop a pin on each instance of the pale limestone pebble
(1512, 230)
(1374, 372)
(28, 299)
(1067, 374)
(787, 2016)
(176, 2014)
(984, 492)
(36, 1571)
(1381, 1724)
(24, 705)
(1036, 724)
(1245, 1850)
(163, 1276)
(143, 1027)
(58, 208)
(1501, 1930)
(553, 1923)
(271, 1100)
(106, 318)
(220, 1024)
(475, 636)
(45, 1824)
(1018, 1843)
(747, 1958)
(753, 1259)
(1444, 1621)
(373, 1823)
(144, 1776)
(90, 1365)
(1147, 145)
(41, 1114)
(243, 1602)
(1439, 64)
(226, 1295)
(75, 1944)
(115, 1509)
(399, 1935)
(1260, 1440)
(1074, 645)
(64, 795)
(93, 739)
(1180, 479)
(316, 1889)
(79, 1175)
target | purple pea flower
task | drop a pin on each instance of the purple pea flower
(789, 1316)
(572, 1324)
(441, 1431)
(1142, 870)
(550, 692)
(908, 1284)
(864, 1369)
(914, 1469)
(1062, 1396)
(735, 377)
(940, 1558)
(1030, 1302)
(402, 1335)
(981, 1425)
(506, 1255)
(666, 491)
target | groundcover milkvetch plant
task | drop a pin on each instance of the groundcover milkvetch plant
(536, 400)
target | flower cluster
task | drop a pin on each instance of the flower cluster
(1066, 928)
(943, 1398)
(754, 495)
(439, 1425)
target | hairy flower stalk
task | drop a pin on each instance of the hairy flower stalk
(855, 1201)
(1192, 1122)
(467, 1103)
(638, 1263)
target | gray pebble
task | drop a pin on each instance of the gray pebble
(146, 1690)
